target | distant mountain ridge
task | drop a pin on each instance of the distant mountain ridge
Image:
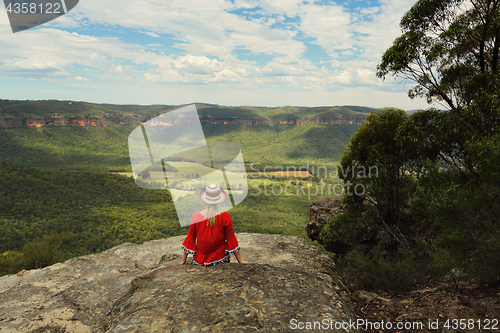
(68, 113)
(68, 135)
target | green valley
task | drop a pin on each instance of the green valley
(62, 194)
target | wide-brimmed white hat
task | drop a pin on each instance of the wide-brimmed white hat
(212, 195)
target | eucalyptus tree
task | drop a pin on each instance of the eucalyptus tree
(450, 50)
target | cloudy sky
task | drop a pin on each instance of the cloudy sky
(239, 52)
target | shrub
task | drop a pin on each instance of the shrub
(41, 252)
(374, 269)
(11, 262)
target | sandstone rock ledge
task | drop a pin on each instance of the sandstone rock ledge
(141, 288)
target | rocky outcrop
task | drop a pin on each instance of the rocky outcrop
(142, 288)
(320, 214)
(78, 121)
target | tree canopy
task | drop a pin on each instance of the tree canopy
(449, 48)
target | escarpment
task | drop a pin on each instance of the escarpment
(104, 121)
(142, 288)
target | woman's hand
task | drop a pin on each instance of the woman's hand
(243, 262)
(183, 262)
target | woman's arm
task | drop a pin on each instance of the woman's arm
(189, 244)
(238, 256)
(184, 257)
(232, 243)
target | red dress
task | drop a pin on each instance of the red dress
(211, 245)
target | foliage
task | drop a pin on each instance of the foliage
(41, 252)
(374, 268)
(285, 144)
(445, 45)
(461, 216)
(11, 262)
(437, 194)
(106, 148)
(447, 215)
(88, 211)
(376, 165)
(63, 148)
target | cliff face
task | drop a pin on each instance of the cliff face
(141, 288)
(66, 121)
(320, 214)
(263, 121)
(47, 121)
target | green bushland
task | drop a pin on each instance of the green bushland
(47, 216)
(426, 217)
(106, 148)
(286, 113)
(48, 108)
(285, 144)
(90, 211)
(68, 148)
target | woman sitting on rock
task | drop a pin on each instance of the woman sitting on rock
(211, 236)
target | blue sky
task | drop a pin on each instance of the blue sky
(239, 52)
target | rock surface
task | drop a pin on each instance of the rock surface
(142, 288)
(320, 213)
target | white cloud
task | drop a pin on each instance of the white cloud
(149, 33)
(208, 33)
(377, 32)
(54, 52)
(328, 25)
(200, 28)
(34, 63)
(118, 69)
(343, 77)
(82, 79)
(289, 66)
